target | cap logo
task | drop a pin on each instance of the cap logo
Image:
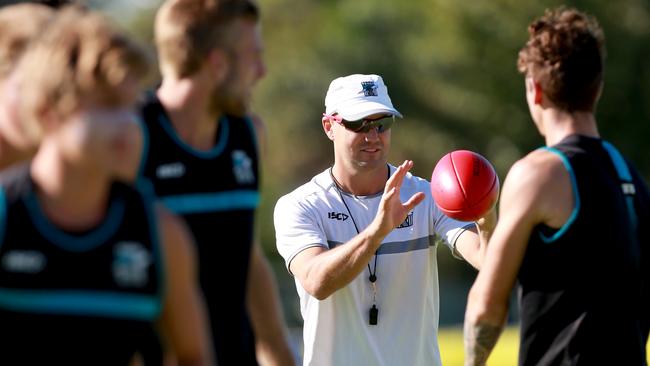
(369, 88)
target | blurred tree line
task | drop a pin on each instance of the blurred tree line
(450, 67)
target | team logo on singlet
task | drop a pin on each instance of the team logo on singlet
(24, 261)
(172, 170)
(131, 263)
(242, 167)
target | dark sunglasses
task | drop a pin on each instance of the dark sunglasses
(382, 124)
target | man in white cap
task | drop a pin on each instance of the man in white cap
(360, 240)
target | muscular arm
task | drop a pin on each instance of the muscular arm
(472, 244)
(184, 317)
(271, 341)
(321, 272)
(535, 192)
(272, 347)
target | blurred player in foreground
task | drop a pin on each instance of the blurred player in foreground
(88, 265)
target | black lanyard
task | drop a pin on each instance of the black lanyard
(372, 277)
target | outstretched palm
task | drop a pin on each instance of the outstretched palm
(392, 211)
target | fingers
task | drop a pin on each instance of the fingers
(415, 200)
(395, 181)
(489, 220)
(389, 194)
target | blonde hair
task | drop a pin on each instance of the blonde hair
(184, 35)
(80, 58)
(19, 24)
(187, 30)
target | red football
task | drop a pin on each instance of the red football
(464, 185)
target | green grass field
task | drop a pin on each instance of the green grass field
(505, 353)
(452, 353)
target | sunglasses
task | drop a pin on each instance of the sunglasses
(382, 124)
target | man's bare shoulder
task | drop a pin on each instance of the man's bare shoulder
(541, 182)
(538, 168)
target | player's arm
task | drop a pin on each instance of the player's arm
(534, 192)
(271, 341)
(472, 243)
(321, 272)
(260, 134)
(184, 318)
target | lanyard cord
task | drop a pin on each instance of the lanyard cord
(372, 273)
(373, 314)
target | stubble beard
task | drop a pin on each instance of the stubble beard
(225, 97)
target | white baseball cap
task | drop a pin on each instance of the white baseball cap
(357, 96)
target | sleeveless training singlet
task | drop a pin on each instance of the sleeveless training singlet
(216, 192)
(581, 285)
(76, 298)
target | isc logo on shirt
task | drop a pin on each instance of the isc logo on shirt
(337, 216)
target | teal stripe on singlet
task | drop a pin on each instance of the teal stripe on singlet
(80, 303)
(72, 242)
(624, 175)
(253, 132)
(212, 202)
(214, 152)
(149, 201)
(576, 194)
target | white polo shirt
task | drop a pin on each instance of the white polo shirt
(336, 330)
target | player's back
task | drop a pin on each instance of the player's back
(581, 284)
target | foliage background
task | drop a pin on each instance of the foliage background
(450, 69)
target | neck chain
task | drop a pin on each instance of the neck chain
(372, 274)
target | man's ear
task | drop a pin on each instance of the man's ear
(327, 127)
(218, 63)
(539, 94)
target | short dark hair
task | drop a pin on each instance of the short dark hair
(565, 53)
(229, 11)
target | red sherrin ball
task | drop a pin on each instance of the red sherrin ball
(464, 185)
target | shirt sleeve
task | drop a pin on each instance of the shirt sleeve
(449, 229)
(296, 229)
